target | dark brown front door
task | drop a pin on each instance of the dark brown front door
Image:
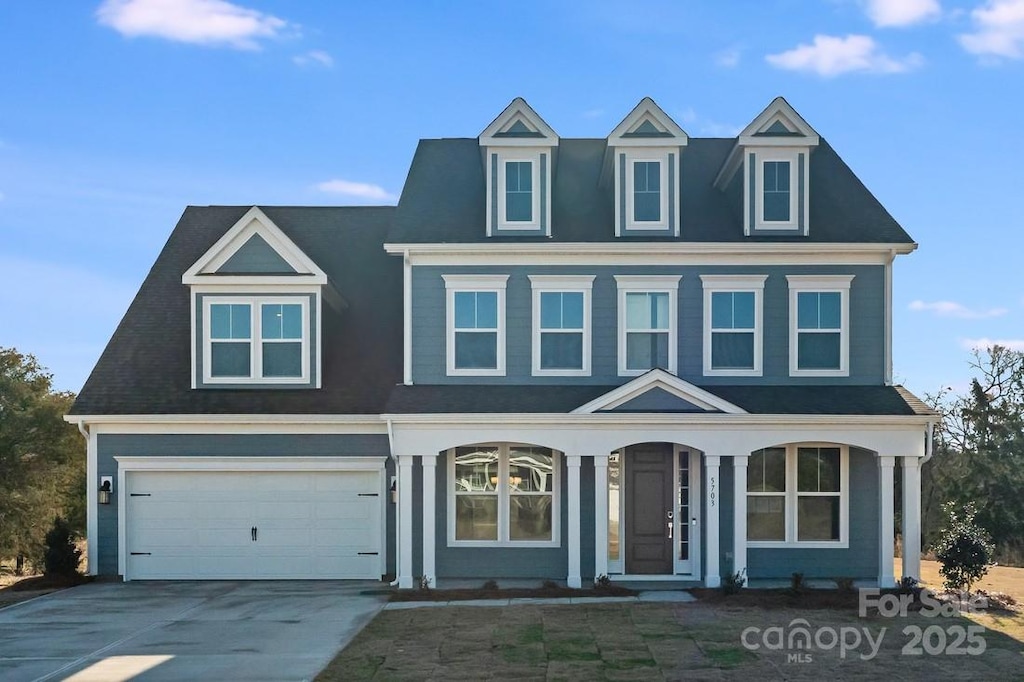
(649, 508)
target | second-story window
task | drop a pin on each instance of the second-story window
(732, 324)
(776, 188)
(646, 191)
(519, 191)
(819, 325)
(647, 323)
(255, 340)
(561, 324)
(476, 324)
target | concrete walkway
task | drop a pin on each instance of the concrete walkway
(152, 631)
(675, 596)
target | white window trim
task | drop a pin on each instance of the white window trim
(735, 283)
(533, 156)
(792, 495)
(472, 283)
(764, 156)
(562, 284)
(504, 497)
(649, 284)
(255, 304)
(662, 160)
(825, 284)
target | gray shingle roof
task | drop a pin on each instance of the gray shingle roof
(145, 369)
(481, 399)
(443, 198)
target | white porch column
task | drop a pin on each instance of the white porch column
(573, 541)
(739, 511)
(600, 515)
(429, 510)
(912, 517)
(712, 502)
(405, 522)
(886, 521)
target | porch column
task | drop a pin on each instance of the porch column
(573, 541)
(600, 515)
(405, 522)
(739, 511)
(912, 517)
(429, 509)
(886, 521)
(712, 503)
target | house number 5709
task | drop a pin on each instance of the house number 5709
(712, 491)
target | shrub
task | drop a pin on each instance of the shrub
(734, 582)
(424, 582)
(844, 585)
(964, 548)
(602, 582)
(62, 556)
(907, 585)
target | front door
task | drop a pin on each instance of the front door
(650, 509)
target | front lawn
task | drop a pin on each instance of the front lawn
(645, 641)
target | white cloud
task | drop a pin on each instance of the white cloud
(729, 58)
(593, 113)
(315, 58)
(953, 309)
(983, 343)
(999, 30)
(832, 56)
(202, 22)
(359, 190)
(886, 13)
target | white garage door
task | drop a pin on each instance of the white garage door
(266, 525)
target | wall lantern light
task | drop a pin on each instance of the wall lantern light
(106, 487)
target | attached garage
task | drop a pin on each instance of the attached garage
(251, 518)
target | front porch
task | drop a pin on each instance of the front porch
(590, 527)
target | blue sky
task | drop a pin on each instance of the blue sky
(116, 115)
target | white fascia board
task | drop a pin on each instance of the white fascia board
(657, 378)
(255, 284)
(255, 221)
(648, 108)
(232, 423)
(201, 463)
(518, 107)
(689, 419)
(641, 253)
(779, 107)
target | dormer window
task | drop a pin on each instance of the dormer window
(518, 151)
(645, 151)
(255, 339)
(769, 167)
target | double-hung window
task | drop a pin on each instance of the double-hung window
(819, 317)
(561, 324)
(733, 339)
(647, 323)
(519, 191)
(503, 494)
(256, 340)
(777, 206)
(647, 191)
(476, 324)
(798, 496)
(776, 189)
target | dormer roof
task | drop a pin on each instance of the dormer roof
(779, 125)
(518, 126)
(647, 125)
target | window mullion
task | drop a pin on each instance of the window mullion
(504, 500)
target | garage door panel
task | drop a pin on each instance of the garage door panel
(198, 525)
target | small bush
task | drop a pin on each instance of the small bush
(491, 585)
(424, 582)
(907, 585)
(844, 585)
(602, 582)
(549, 585)
(964, 548)
(734, 582)
(62, 556)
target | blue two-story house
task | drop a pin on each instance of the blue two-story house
(646, 356)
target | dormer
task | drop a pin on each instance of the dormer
(518, 150)
(770, 167)
(645, 149)
(257, 310)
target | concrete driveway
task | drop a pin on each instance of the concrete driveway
(224, 630)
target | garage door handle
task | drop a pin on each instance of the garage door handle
(252, 534)
(142, 554)
(368, 495)
(140, 495)
(367, 553)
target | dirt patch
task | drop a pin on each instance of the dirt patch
(22, 589)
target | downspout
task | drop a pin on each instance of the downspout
(928, 443)
(82, 430)
(391, 456)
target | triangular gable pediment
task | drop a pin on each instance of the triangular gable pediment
(658, 391)
(518, 125)
(253, 247)
(647, 125)
(779, 123)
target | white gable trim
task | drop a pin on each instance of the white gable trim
(658, 378)
(647, 109)
(255, 221)
(518, 109)
(779, 109)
